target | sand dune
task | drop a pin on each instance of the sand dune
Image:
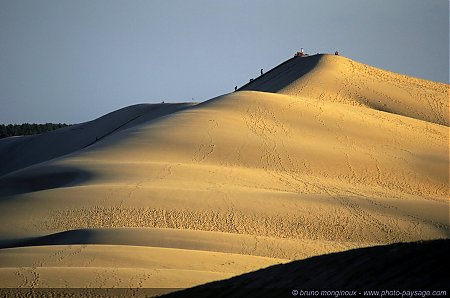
(339, 79)
(414, 266)
(307, 165)
(185, 239)
(119, 266)
(20, 152)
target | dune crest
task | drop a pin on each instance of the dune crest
(334, 78)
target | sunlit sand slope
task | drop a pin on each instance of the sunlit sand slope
(339, 79)
(269, 177)
(92, 266)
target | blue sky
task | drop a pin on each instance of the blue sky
(73, 61)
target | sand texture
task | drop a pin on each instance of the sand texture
(321, 154)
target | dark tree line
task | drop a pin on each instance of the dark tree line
(27, 129)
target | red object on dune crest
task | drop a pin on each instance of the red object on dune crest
(300, 54)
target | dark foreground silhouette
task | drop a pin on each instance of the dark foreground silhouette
(417, 266)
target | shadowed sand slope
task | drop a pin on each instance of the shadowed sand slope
(20, 152)
(255, 177)
(339, 79)
(412, 266)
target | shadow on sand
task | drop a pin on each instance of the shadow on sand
(63, 238)
(404, 266)
(283, 75)
(41, 178)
